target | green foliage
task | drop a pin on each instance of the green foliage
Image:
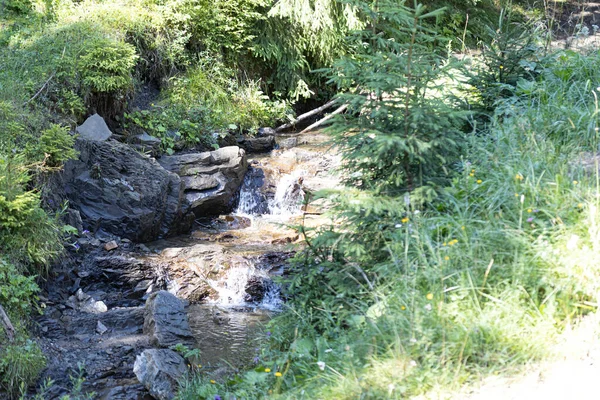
(75, 393)
(107, 66)
(57, 146)
(17, 292)
(20, 364)
(399, 132)
(19, 7)
(510, 53)
(302, 36)
(28, 235)
(106, 70)
(205, 100)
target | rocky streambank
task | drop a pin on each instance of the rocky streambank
(159, 261)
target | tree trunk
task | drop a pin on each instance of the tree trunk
(8, 327)
(306, 115)
(323, 120)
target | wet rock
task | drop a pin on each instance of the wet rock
(220, 316)
(110, 245)
(256, 288)
(210, 179)
(160, 370)
(121, 192)
(288, 143)
(266, 131)
(165, 320)
(94, 128)
(232, 222)
(262, 144)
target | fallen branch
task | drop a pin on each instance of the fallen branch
(40, 91)
(8, 327)
(320, 122)
(306, 115)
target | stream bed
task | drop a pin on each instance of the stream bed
(224, 269)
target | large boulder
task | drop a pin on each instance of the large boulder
(94, 128)
(211, 179)
(165, 320)
(122, 192)
(160, 370)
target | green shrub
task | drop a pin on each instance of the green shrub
(56, 143)
(20, 365)
(106, 69)
(16, 6)
(29, 237)
(17, 292)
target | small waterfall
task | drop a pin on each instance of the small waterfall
(243, 286)
(252, 200)
(289, 195)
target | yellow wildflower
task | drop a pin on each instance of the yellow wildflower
(479, 181)
(502, 67)
(519, 177)
(529, 210)
(405, 220)
(462, 227)
(580, 205)
(471, 174)
(516, 194)
(267, 369)
(278, 374)
(446, 258)
(429, 296)
(213, 381)
(403, 308)
(575, 182)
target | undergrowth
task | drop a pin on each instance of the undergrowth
(402, 297)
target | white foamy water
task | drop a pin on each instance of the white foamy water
(231, 289)
(288, 195)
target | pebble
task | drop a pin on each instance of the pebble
(101, 328)
(110, 245)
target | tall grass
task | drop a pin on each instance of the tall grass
(480, 282)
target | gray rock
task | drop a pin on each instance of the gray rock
(110, 245)
(119, 191)
(94, 128)
(266, 131)
(288, 143)
(145, 142)
(211, 179)
(160, 370)
(73, 218)
(165, 320)
(260, 144)
(84, 302)
(101, 328)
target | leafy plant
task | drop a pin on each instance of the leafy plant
(20, 364)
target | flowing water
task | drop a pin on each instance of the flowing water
(228, 325)
(226, 268)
